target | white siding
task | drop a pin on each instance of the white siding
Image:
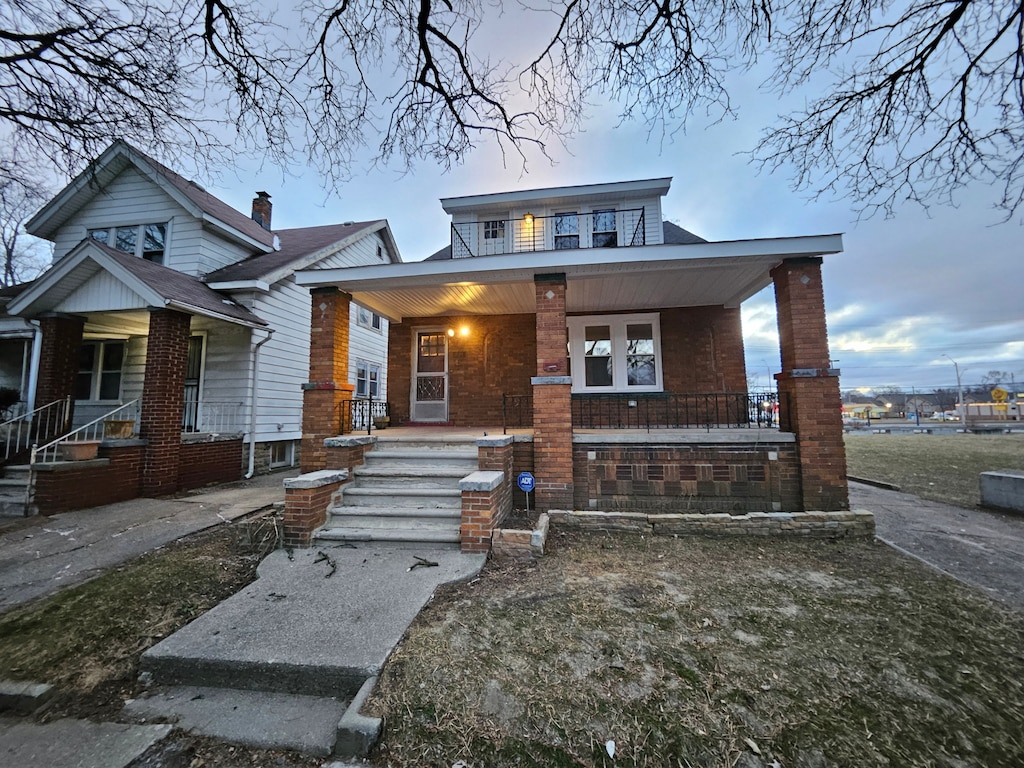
(370, 345)
(284, 361)
(225, 382)
(212, 254)
(358, 254)
(100, 293)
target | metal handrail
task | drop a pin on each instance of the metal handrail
(49, 419)
(94, 430)
(665, 410)
(361, 413)
(492, 237)
(212, 416)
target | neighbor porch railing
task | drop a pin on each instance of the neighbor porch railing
(362, 414)
(595, 229)
(93, 431)
(656, 410)
(45, 421)
(214, 416)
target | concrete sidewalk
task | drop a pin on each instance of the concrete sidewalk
(980, 547)
(41, 555)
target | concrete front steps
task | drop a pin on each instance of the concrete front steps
(14, 491)
(406, 492)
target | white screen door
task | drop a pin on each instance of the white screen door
(430, 378)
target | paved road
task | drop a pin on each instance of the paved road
(982, 548)
(45, 554)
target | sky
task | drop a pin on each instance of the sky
(908, 296)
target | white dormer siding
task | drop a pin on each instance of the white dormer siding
(551, 219)
(130, 200)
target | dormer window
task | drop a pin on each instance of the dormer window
(147, 241)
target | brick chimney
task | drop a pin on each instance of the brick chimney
(261, 209)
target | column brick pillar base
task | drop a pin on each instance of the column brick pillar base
(58, 364)
(163, 399)
(552, 442)
(321, 418)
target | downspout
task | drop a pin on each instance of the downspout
(252, 403)
(33, 370)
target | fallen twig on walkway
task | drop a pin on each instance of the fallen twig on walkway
(421, 562)
(320, 557)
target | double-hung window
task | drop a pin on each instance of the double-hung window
(615, 353)
(147, 241)
(567, 231)
(367, 379)
(99, 370)
(603, 233)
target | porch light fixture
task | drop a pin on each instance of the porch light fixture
(528, 218)
(464, 330)
(451, 332)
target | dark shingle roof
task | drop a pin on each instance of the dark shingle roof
(180, 288)
(674, 235)
(296, 244)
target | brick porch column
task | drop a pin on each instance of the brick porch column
(810, 405)
(552, 414)
(328, 375)
(58, 360)
(163, 399)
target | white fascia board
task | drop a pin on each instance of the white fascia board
(241, 285)
(614, 189)
(515, 267)
(193, 310)
(310, 259)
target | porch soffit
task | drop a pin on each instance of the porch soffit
(719, 274)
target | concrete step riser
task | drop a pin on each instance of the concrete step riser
(406, 483)
(418, 461)
(384, 444)
(396, 501)
(411, 537)
(339, 520)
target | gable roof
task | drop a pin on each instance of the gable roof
(156, 284)
(673, 234)
(301, 248)
(111, 163)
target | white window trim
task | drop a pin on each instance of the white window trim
(97, 371)
(369, 365)
(140, 237)
(368, 325)
(617, 324)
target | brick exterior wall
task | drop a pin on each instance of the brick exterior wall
(58, 359)
(499, 459)
(206, 463)
(163, 398)
(116, 476)
(497, 357)
(709, 478)
(811, 406)
(702, 351)
(522, 461)
(328, 374)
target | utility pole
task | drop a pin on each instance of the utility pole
(959, 393)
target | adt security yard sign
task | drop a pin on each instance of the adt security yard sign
(526, 485)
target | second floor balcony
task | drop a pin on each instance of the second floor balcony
(594, 229)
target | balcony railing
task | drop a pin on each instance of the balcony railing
(716, 410)
(212, 416)
(597, 229)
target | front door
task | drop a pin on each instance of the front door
(190, 416)
(430, 376)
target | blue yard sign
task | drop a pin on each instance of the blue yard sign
(526, 484)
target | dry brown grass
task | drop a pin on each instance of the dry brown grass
(938, 467)
(704, 652)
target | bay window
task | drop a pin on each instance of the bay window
(615, 353)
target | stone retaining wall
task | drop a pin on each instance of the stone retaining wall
(808, 524)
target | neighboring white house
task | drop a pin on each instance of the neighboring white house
(131, 236)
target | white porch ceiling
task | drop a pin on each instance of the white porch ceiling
(602, 280)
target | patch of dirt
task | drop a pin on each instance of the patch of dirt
(706, 652)
(521, 520)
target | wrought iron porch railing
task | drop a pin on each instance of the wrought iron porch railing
(516, 411)
(361, 413)
(44, 423)
(716, 410)
(94, 430)
(213, 416)
(754, 410)
(596, 229)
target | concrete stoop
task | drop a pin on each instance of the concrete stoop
(14, 491)
(406, 492)
(288, 661)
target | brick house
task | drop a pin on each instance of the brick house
(614, 338)
(166, 307)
